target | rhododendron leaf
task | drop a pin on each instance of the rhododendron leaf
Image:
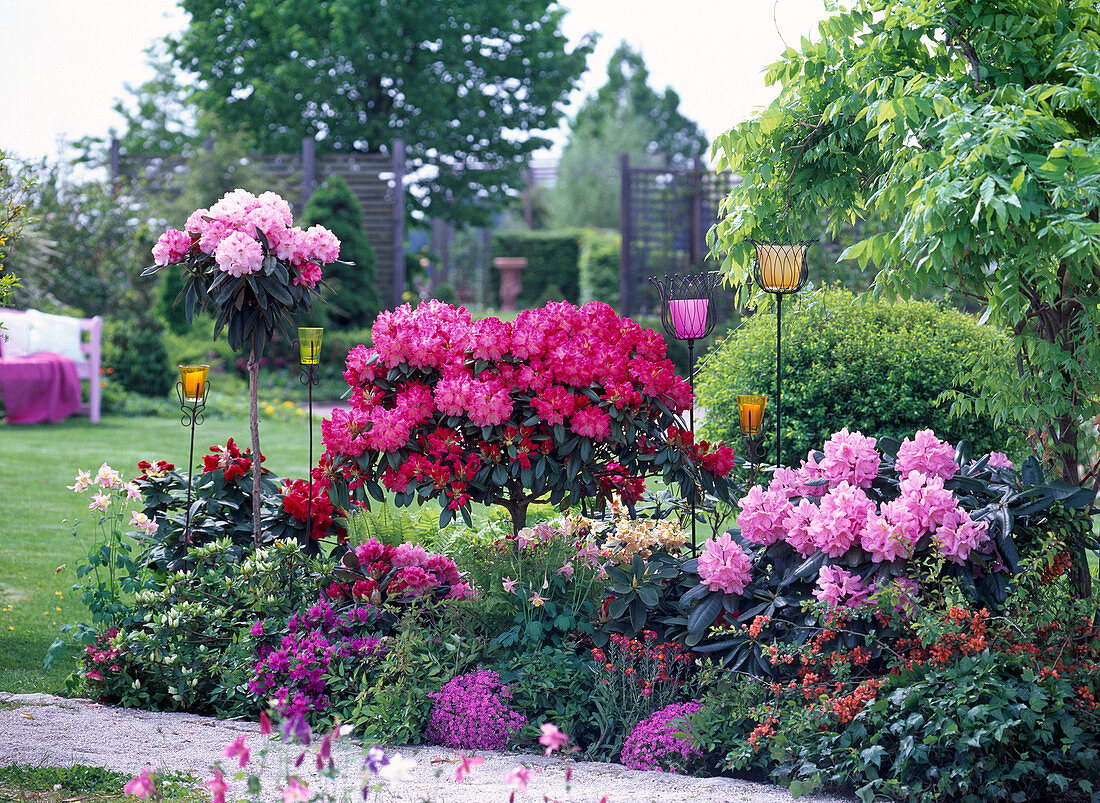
(705, 613)
(618, 607)
(1031, 473)
(694, 594)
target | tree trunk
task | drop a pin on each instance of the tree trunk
(254, 428)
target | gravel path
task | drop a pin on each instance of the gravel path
(43, 729)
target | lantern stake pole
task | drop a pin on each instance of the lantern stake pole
(778, 377)
(691, 425)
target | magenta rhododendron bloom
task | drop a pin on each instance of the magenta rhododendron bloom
(927, 454)
(850, 457)
(723, 566)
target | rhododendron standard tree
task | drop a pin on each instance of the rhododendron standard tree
(551, 407)
(254, 270)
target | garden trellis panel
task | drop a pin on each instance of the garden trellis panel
(666, 213)
(376, 179)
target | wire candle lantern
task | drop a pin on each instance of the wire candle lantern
(309, 352)
(192, 390)
(687, 313)
(781, 270)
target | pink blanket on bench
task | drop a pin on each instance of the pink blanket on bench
(40, 387)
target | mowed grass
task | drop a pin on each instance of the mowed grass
(37, 514)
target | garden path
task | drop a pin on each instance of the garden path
(54, 731)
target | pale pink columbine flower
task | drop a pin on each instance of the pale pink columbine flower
(107, 477)
(132, 491)
(552, 738)
(723, 566)
(537, 600)
(83, 480)
(218, 786)
(566, 570)
(466, 765)
(100, 501)
(518, 778)
(509, 585)
(142, 522)
(236, 749)
(140, 785)
(295, 791)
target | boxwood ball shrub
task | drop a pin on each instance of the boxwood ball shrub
(872, 366)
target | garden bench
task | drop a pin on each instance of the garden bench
(43, 360)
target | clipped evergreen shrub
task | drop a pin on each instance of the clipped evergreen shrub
(135, 358)
(552, 259)
(353, 301)
(170, 311)
(599, 266)
(871, 366)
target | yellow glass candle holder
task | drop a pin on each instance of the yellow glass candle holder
(781, 266)
(751, 410)
(194, 381)
(309, 344)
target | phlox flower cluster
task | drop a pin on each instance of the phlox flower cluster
(474, 712)
(401, 572)
(825, 506)
(241, 229)
(295, 670)
(723, 566)
(655, 743)
(453, 399)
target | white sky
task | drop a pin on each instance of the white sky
(64, 62)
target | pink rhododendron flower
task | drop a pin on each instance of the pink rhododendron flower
(171, 246)
(762, 515)
(309, 273)
(839, 587)
(839, 519)
(723, 566)
(552, 738)
(797, 526)
(927, 454)
(926, 499)
(884, 540)
(850, 457)
(409, 554)
(999, 460)
(810, 470)
(591, 422)
(140, 785)
(958, 535)
(239, 254)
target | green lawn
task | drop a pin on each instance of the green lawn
(37, 513)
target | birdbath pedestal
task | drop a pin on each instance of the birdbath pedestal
(511, 269)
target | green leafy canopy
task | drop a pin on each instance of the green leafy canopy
(972, 127)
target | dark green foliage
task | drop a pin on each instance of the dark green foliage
(353, 300)
(874, 367)
(552, 259)
(169, 311)
(599, 266)
(136, 359)
(553, 684)
(453, 83)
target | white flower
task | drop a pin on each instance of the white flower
(397, 767)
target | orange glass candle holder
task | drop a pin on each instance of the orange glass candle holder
(751, 410)
(309, 344)
(194, 381)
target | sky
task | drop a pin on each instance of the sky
(63, 63)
